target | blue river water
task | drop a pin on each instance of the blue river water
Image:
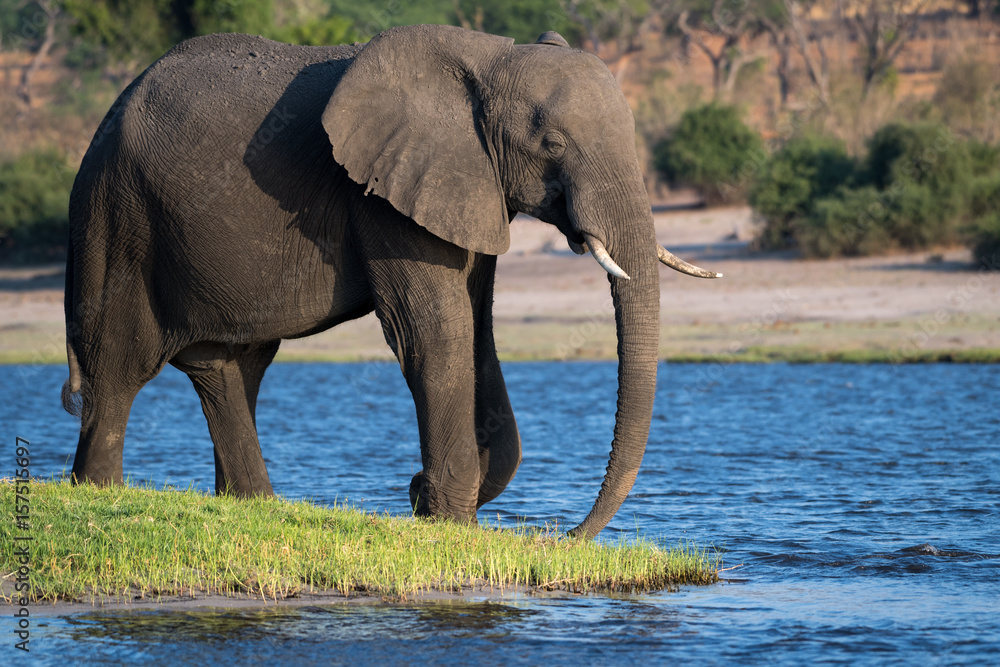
(859, 507)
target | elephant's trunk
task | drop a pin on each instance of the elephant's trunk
(632, 246)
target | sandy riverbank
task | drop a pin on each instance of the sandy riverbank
(551, 303)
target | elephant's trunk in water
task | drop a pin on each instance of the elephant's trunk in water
(632, 246)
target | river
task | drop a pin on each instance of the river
(857, 505)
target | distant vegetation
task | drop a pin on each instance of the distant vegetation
(820, 113)
(34, 202)
(917, 187)
(707, 151)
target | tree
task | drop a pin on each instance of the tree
(776, 25)
(30, 22)
(524, 20)
(883, 27)
(617, 22)
(130, 32)
(819, 73)
(736, 22)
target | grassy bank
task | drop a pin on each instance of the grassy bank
(124, 542)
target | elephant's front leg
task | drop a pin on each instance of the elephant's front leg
(496, 429)
(419, 284)
(439, 374)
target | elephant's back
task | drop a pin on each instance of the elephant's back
(196, 110)
(223, 126)
(203, 156)
(230, 76)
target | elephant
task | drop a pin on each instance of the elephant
(242, 191)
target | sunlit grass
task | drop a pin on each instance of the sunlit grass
(123, 542)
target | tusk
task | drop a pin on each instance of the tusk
(603, 258)
(678, 264)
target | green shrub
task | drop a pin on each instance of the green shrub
(803, 171)
(986, 241)
(984, 210)
(34, 205)
(984, 194)
(983, 158)
(916, 188)
(319, 32)
(926, 154)
(713, 151)
(920, 217)
(852, 221)
(930, 179)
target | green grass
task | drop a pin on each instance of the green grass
(122, 542)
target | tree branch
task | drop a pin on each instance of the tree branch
(572, 9)
(24, 90)
(819, 76)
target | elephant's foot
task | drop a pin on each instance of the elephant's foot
(418, 495)
(260, 489)
(425, 505)
(97, 479)
(98, 459)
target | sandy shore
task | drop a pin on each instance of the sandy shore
(551, 303)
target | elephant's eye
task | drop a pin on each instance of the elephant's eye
(554, 144)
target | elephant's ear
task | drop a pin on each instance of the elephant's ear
(406, 122)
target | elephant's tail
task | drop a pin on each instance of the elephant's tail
(72, 394)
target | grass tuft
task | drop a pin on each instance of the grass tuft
(125, 542)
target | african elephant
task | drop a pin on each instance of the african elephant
(242, 191)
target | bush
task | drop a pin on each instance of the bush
(852, 221)
(319, 32)
(984, 194)
(34, 205)
(984, 209)
(928, 155)
(983, 158)
(915, 189)
(711, 150)
(921, 218)
(805, 170)
(986, 241)
(928, 176)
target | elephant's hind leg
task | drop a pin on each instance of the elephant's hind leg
(110, 378)
(107, 402)
(227, 381)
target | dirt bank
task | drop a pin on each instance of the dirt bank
(551, 303)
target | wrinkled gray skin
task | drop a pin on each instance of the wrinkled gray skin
(242, 191)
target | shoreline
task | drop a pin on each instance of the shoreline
(550, 304)
(209, 601)
(764, 355)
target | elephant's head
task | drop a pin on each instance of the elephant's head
(456, 128)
